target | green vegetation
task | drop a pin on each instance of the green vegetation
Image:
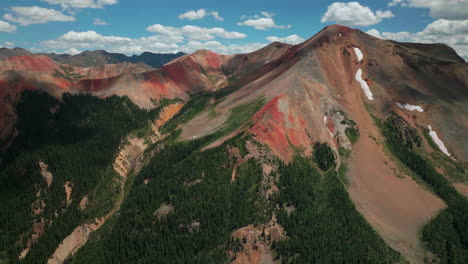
(67, 72)
(352, 133)
(429, 140)
(453, 169)
(447, 234)
(78, 139)
(195, 106)
(237, 117)
(324, 156)
(325, 226)
(344, 153)
(3, 258)
(240, 115)
(165, 102)
(205, 213)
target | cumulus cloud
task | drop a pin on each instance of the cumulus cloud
(200, 14)
(35, 15)
(292, 39)
(6, 27)
(72, 42)
(396, 2)
(263, 21)
(451, 32)
(354, 14)
(446, 9)
(100, 22)
(374, 32)
(72, 51)
(218, 47)
(68, 4)
(8, 44)
(195, 32)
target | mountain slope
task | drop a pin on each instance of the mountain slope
(100, 57)
(6, 52)
(360, 140)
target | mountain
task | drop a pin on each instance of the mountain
(99, 57)
(6, 52)
(155, 59)
(344, 148)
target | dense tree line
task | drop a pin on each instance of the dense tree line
(324, 156)
(324, 227)
(447, 234)
(78, 137)
(198, 186)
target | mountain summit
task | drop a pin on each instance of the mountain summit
(344, 148)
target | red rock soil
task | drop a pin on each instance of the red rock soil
(310, 79)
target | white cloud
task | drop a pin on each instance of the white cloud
(446, 9)
(262, 22)
(447, 27)
(354, 14)
(68, 4)
(73, 41)
(72, 51)
(195, 32)
(193, 15)
(100, 22)
(218, 47)
(216, 16)
(292, 39)
(8, 44)
(35, 15)
(85, 40)
(6, 27)
(374, 32)
(93, 40)
(396, 2)
(451, 32)
(199, 14)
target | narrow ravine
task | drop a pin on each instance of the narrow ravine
(129, 159)
(126, 160)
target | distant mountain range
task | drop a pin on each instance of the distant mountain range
(98, 57)
(345, 148)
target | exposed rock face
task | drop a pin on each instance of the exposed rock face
(70, 245)
(83, 203)
(68, 192)
(128, 155)
(308, 89)
(124, 163)
(47, 175)
(167, 113)
(254, 244)
(163, 211)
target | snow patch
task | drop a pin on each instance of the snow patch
(359, 54)
(364, 85)
(437, 140)
(267, 61)
(410, 107)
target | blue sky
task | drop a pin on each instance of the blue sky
(134, 26)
